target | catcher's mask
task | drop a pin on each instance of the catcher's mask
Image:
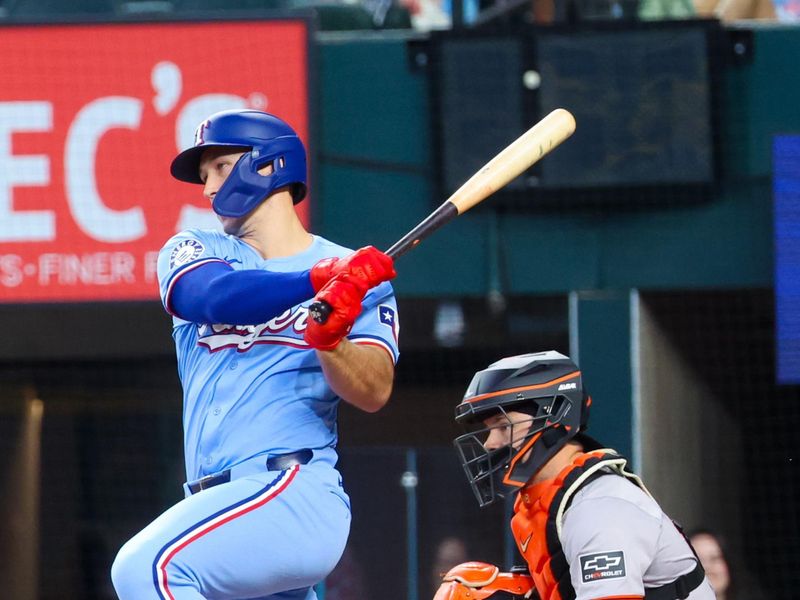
(266, 139)
(547, 392)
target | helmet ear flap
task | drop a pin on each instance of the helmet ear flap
(552, 436)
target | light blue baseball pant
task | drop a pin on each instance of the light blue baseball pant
(265, 536)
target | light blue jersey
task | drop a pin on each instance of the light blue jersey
(250, 390)
(265, 515)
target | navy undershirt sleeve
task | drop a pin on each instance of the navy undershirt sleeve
(216, 293)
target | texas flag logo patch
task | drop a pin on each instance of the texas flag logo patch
(388, 317)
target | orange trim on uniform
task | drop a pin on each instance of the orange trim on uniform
(522, 452)
(522, 388)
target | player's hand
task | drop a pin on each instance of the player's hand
(367, 264)
(322, 272)
(344, 294)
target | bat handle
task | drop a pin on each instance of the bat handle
(447, 211)
(320, 311)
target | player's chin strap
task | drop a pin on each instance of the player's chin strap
(484, 581)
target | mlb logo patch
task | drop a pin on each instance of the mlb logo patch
(602, 565)
(388, 317)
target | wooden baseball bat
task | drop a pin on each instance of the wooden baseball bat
(495, 174)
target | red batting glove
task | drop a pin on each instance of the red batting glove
(345, 297)
(368, 264)
(322, 272)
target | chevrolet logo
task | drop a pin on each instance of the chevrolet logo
(602, 562)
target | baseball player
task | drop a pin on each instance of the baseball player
(586, 526)
(265, 514)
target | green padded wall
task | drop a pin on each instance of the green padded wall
(376, 180)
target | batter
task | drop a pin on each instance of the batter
(265, 515)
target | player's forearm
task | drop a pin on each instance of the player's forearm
(361, 375)
(215, 293)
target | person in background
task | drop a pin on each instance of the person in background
(709, 551)
(347, 581)
(728, 578)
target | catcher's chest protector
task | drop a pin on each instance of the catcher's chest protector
(538, 516)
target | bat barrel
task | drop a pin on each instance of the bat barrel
(514, 159)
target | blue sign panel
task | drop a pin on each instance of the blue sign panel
(786, 193)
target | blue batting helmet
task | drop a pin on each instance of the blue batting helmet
(268, 139)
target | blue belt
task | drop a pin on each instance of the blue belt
(276, 462)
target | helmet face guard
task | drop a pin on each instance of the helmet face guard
(484, 468)
(492, 473)
(551, 408)
(266, 140)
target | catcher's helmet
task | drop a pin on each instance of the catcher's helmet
(268, 139)
(545, 386)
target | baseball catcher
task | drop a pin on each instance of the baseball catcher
(586, 526)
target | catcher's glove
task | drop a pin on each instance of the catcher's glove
(483, 581)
